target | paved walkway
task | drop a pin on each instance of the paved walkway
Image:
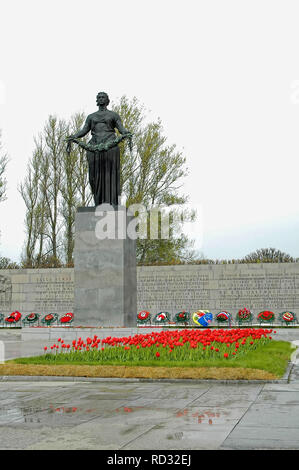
(132, 415)
(114, 415)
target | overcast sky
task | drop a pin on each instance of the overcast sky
(223, 76)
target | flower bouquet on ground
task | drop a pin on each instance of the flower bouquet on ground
(266, 317)
(223, 318)
(202, 318)
(182, 317)
(66, 318)
(288, 318)
(31, 318)
(143, 317)
(13, 318)
(49, 319)
(244, 315)
(162, 318)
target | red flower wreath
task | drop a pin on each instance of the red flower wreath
(244, 314)
(266, 315)
(13, 317)
(223, 316)
(182, 317)
(161, 317)
(31, 318)
(68, 317)
(49, 317)
(143, 315)
(288, 316)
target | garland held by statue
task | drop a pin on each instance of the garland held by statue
(103, 146)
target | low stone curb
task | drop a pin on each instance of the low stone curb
(47, 378)
(287, 374)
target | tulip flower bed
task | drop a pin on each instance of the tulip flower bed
(247, 353)
(247, 347)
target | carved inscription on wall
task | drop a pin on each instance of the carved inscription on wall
(5, 292)
(37, 290)
(172, 291)
(53, 292)
(219, 288)
(266, 291)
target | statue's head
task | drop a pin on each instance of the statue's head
(102, 98)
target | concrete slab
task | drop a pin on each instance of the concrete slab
(92, 436)
(282, 387)
(170, 436)
(288, 397)
(271, 416)
(14, 438)
(263, 437)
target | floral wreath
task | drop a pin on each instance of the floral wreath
(162, 317)
(244, 314)
(31, 318)
(182, 317)
(101, 146)
(14, 317)
(266, 315)
(50, 318)
(202, 317)
(287, 316)
(67, 318)
(143, 316)
(223, 316)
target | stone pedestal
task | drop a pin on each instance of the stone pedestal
(105, 280)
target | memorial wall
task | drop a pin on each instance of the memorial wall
(171, 288)
(230, 287)
(37, 290)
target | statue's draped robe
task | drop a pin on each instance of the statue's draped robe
(104, 175)
(104, 166)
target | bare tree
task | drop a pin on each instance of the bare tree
(3, 180)
(41, 210)
(55, 132)
(29, 192)
(3, 165)
(81, 168)
(69, 202)
(33, 192)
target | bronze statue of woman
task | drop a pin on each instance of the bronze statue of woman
(103, 153)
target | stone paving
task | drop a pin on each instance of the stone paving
(133, 415)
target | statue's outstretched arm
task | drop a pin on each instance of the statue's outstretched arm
(86, 128)
(118, 124)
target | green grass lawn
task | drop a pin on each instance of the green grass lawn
(272, 357)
